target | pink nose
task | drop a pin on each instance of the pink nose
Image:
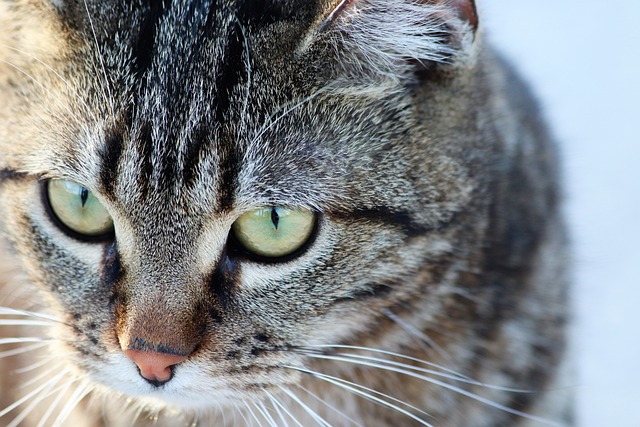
(154, 367)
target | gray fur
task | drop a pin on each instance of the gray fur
(435, 181)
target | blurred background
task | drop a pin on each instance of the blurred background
(583, 59)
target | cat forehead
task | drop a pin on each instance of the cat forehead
(147, 22)
(206, 96)
(186, 89)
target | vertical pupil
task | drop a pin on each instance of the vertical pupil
(275, 217)
(84, 195)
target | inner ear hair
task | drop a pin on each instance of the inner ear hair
(394, 40)
(465, 10)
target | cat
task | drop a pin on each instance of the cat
(280, 213)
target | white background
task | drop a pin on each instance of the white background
(583, 59)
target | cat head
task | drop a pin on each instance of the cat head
(203, 191)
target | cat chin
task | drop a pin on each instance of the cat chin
(172, 397)
(188, 403)
(191, 389)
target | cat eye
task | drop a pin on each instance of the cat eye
(274, 231)
(77, 209)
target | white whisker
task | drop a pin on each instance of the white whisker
(54, 404)
(21, 350)
(447, 386)
(306, 407)
(415, 332)
(23, 340)
(398, 355)
(276, 406)
(31, 394)
(367, 393)
(235, 418)
(286, 411)
(81, 391)
(253, 414)
(108, 98)
(33, 404)
(39, 377)
(137, 414)
(48, 67)
(241, 412)
(32, 78)
(330, 406)
(350, 358)
(270, 122)
(35, 365)
(23, 322)
(260, 406)
(18, 312)
(247, 52)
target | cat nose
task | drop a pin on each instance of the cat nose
(156, 368)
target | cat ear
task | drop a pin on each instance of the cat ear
(397, 39)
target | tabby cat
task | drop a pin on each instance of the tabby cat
(278, 213)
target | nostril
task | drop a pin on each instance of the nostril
(156, 368)
(156, 383)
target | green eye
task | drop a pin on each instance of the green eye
(274, 231)
(78, 209)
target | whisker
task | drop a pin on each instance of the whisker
(42, 375)
(32, 78)
(241, 412)
(341, 357)
(48, 67)
(136, 415)
(269, 123)
(330, 406)
(276, 406)
(194, 422)
(52, 407)
(34, 365)
(81, 391)
(354, 388)
(306, 407)
(447, 386)
(105, 85)
(33, 404)
(22, 340)
(390, 353)
(24, 322)
(379, 393)
(253, 414)
(415, 332)
(30, 395)
(21, 350)
(222, 413)
(260, 406)
(286, 411)
(16, 312)
(247, 52)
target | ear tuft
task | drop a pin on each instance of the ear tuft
(466, 11)
(389, 41)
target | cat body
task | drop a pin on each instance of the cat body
(428, 287)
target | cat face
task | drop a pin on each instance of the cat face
(168, 128)
(209, 195)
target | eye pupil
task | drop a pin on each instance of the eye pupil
(84, 195)
(275, 218)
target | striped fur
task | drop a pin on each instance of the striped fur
(436, 271)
